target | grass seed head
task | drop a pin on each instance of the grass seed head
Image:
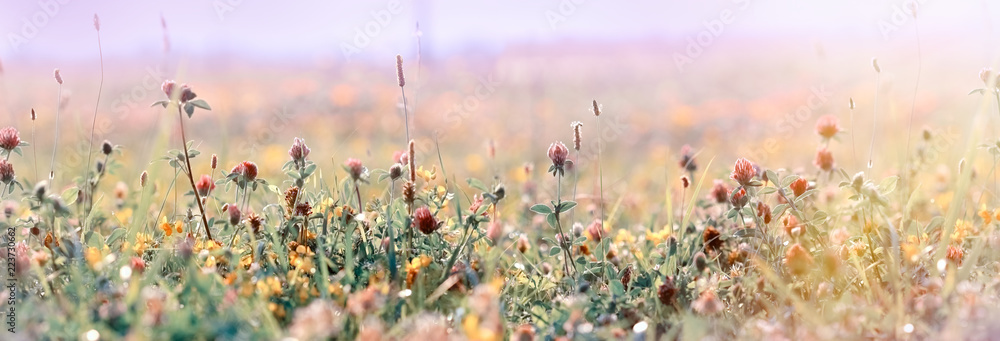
(399, 71)
(577, 137)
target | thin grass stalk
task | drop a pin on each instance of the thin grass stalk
(187, 163)
(871, 147)
(93, 126)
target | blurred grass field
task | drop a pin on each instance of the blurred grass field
(700, 204)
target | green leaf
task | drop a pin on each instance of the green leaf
(475, 183)
(541, 209)
(820, 215)
(771, 176)
(566, 206)
(162, 103)
(482, 209)
(617, 288)
(767, 190)
(70, 195)
(805, 195)
(551, 219)
(200, 103)
(888, 185)
(115, 236)
(189, 109)
(309, 170)
(555, 250)
(778, 210)
(788, 180)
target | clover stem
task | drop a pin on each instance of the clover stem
(187, 162)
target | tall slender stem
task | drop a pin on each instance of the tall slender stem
(55, 143)
(576, 182)
(187, 162)
(392, 237)
(913, 108)
(871, 147)
(34, 147)
(600, 170)
(996, 94)
(406, 115)
(562, 236)
(93, 127)
(600, 176)
(854, 148)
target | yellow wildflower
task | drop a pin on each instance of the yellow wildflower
(165, 226)
(210, 245)
(624, 236)
(658, 236)
(414, 266)
(324, 204)
(427, 175)
(962, 229)
(142, 242)
(270, 286)
(93, 256)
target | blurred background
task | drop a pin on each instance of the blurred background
(730, 78)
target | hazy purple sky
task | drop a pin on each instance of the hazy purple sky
(61, 30)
